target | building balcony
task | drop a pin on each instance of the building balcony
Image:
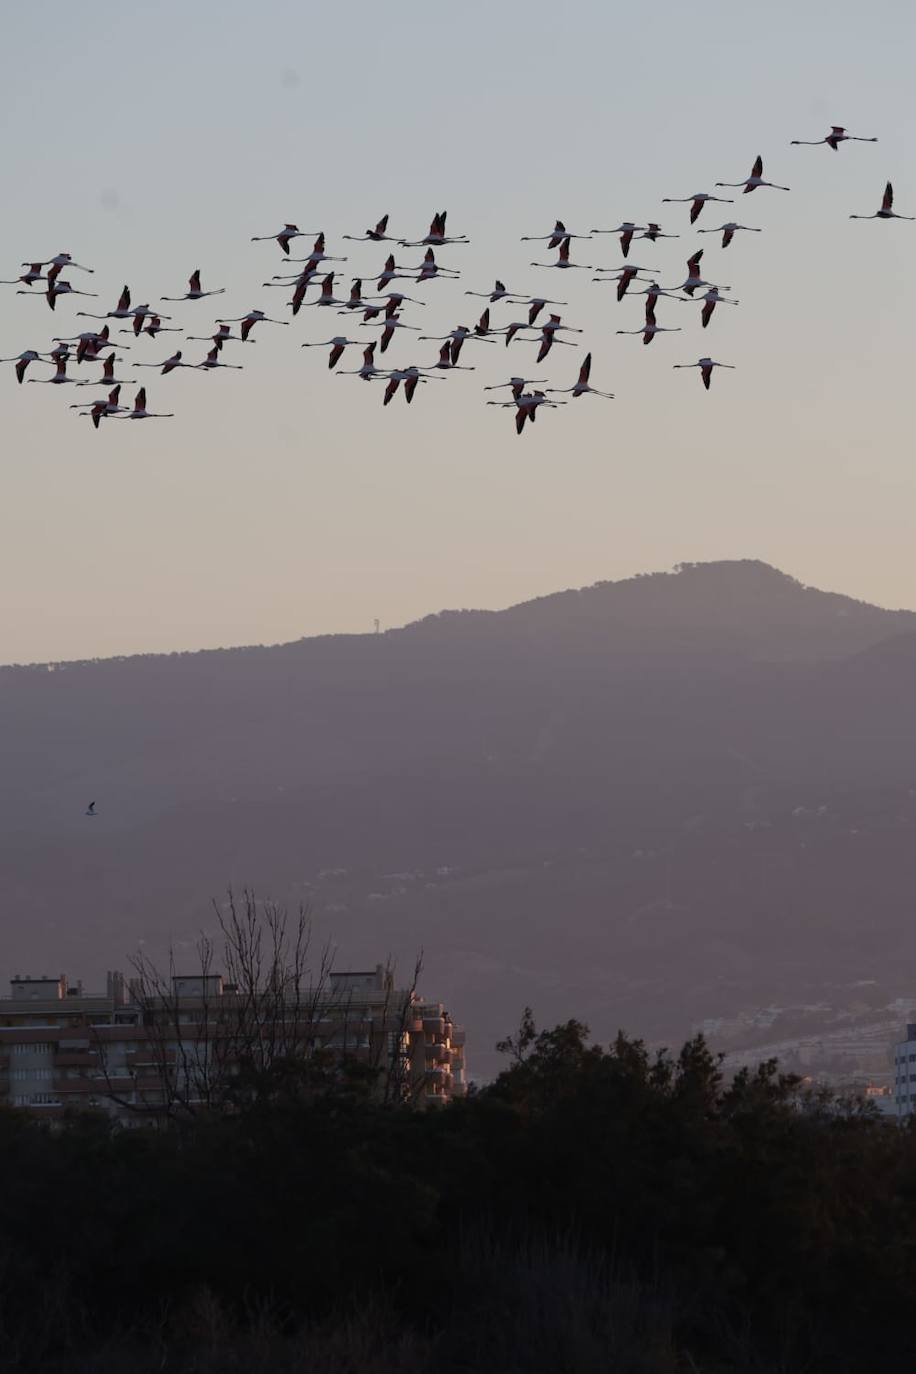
(117, 1081)
(439, 1054)
(75, 1059)
(434, 1025)
(149, 1059)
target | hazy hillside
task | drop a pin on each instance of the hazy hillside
(653, 801)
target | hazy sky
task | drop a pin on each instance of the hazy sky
(157, 137)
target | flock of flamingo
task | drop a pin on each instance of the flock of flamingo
(385, 309)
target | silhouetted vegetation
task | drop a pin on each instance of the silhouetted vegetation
(592, 1209)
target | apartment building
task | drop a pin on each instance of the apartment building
(141, 1053)
(905, 1073)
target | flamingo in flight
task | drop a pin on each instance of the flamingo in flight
(693, 279)
(336, 345)
(356, 300)
(390, 273)
(29, 278)
(298, 296)
(652, 293)
(482, 327)
(368, 371)
(563, 258)
(327, 296)
(22, 361)
(833, 140)
(536, 305)
(56, 265)
(88, 343)
(581, 387)
(212, 360)
(729, 230)
(754, 180)
(624, 276)
(706, 366)
(248, 322)
(887, 210)
(516, 385)
(97, 411)
(396, 299)
(654, 231)
(303, 278)
(626, 230)
(194, 291)
(60, 376)
(91, 351)
(500, 292)
(526, 406)
(122, 310)
(140, 411)
(394, 381)
(388, 325)
(548, 336)
(58, 288)
(154, 327)
(411, 378)
(510, 330)
(140, 313)
(377, 235)
(711, 299)
(555, 237)
(318, 254)
(168, 366)
(429, 269)
(651, 328)
(696, 202)
(107, 378)
(445, 360)
(223, 335)
(456, 339)
(393, 302)
(284, 237)
(436, 237)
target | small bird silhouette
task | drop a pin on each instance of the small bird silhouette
(90, 809)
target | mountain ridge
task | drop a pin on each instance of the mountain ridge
(631, 594)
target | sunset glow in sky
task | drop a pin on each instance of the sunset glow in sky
(283, 500)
